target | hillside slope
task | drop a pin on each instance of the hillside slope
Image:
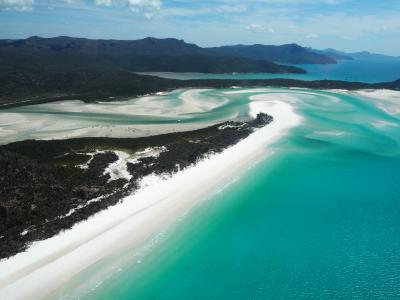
(146, 55)
(290, 53)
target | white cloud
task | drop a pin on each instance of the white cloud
(147, 7)
(255, 28)
(17, 5)
(138, 5)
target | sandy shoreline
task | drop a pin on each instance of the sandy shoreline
(48, 264)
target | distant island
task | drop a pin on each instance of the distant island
(289, 54)
(340, 55)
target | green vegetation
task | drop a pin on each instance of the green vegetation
(147, 55)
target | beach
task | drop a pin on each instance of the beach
(158, 203)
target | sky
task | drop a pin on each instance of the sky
(347, 25)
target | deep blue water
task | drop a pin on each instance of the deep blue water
(363, 70)
(366, 70)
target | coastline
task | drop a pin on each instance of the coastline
(30, 273)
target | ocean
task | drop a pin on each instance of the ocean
(362, 70)
(320, 219)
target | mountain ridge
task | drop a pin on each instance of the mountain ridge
(287, 53)
(145, 55)
(341, 55)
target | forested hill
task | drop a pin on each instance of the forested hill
(290, 53)
(146, 55)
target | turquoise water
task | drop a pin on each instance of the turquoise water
(362, 70)
(320, 219)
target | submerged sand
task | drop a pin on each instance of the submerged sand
(139, 117)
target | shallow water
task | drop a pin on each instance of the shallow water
(68, 119)
(320, 219)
